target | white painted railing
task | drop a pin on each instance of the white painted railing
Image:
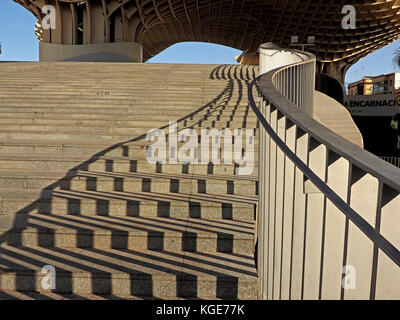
(329, 212)
(297, 83)
(296, 80)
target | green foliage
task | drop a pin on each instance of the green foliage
(396, 58)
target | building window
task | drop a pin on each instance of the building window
(380, 87)
(360, 89)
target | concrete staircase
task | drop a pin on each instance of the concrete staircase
(77, 193)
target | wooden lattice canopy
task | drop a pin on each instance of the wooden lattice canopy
(241, 24)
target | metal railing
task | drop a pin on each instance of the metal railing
(392, 160)
(329, 212)
(297, 82)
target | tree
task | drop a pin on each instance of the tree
(396, 58)
(395, 124)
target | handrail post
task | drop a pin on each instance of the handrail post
(310, 87)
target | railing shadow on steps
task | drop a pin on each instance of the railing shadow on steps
(33, 256)
(235, 72)
(329, 212)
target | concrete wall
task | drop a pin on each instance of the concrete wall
(101, 52)
(272, 57)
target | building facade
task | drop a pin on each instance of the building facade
(382, 84)
(360, 88)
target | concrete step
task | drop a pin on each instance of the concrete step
(113, 139)
(34, 161)
(16, 203)
(109, 84)
(133, 90)
(48, 295)
(227, 118)
(130, 272)
(112, 100)
(136, 148)
(113, 74)
(228, 121)
(114, 130)
(34, 78)
(174, 77)
(92, 85)
(189, 93)
(132, 233)
(68, 106)
(181, 111)
(194, 92)
(127, 182)
(117, 203)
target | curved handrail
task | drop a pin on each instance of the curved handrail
(363, 159)
(303, 73)
(384, 172)
(360, 222)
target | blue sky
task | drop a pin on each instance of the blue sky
(19, 44)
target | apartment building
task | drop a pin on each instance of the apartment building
(383, 84)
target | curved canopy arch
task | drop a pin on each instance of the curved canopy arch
(241, 24)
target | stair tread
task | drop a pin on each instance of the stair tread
(31, 295)
(82, 158)
(107, 176)
(101, 262)
(135, 226)
(153, 197)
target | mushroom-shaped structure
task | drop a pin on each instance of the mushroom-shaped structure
(154, 25)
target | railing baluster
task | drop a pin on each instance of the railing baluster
(264, 209)
(314, 222)
(302, 82)
(272, 201)
(299, 218)
(388, 273)
(363, 199)
(287, 85)
(288, 213)
(261, 204)
(298, 86)
(279, 199)
(335, 221)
